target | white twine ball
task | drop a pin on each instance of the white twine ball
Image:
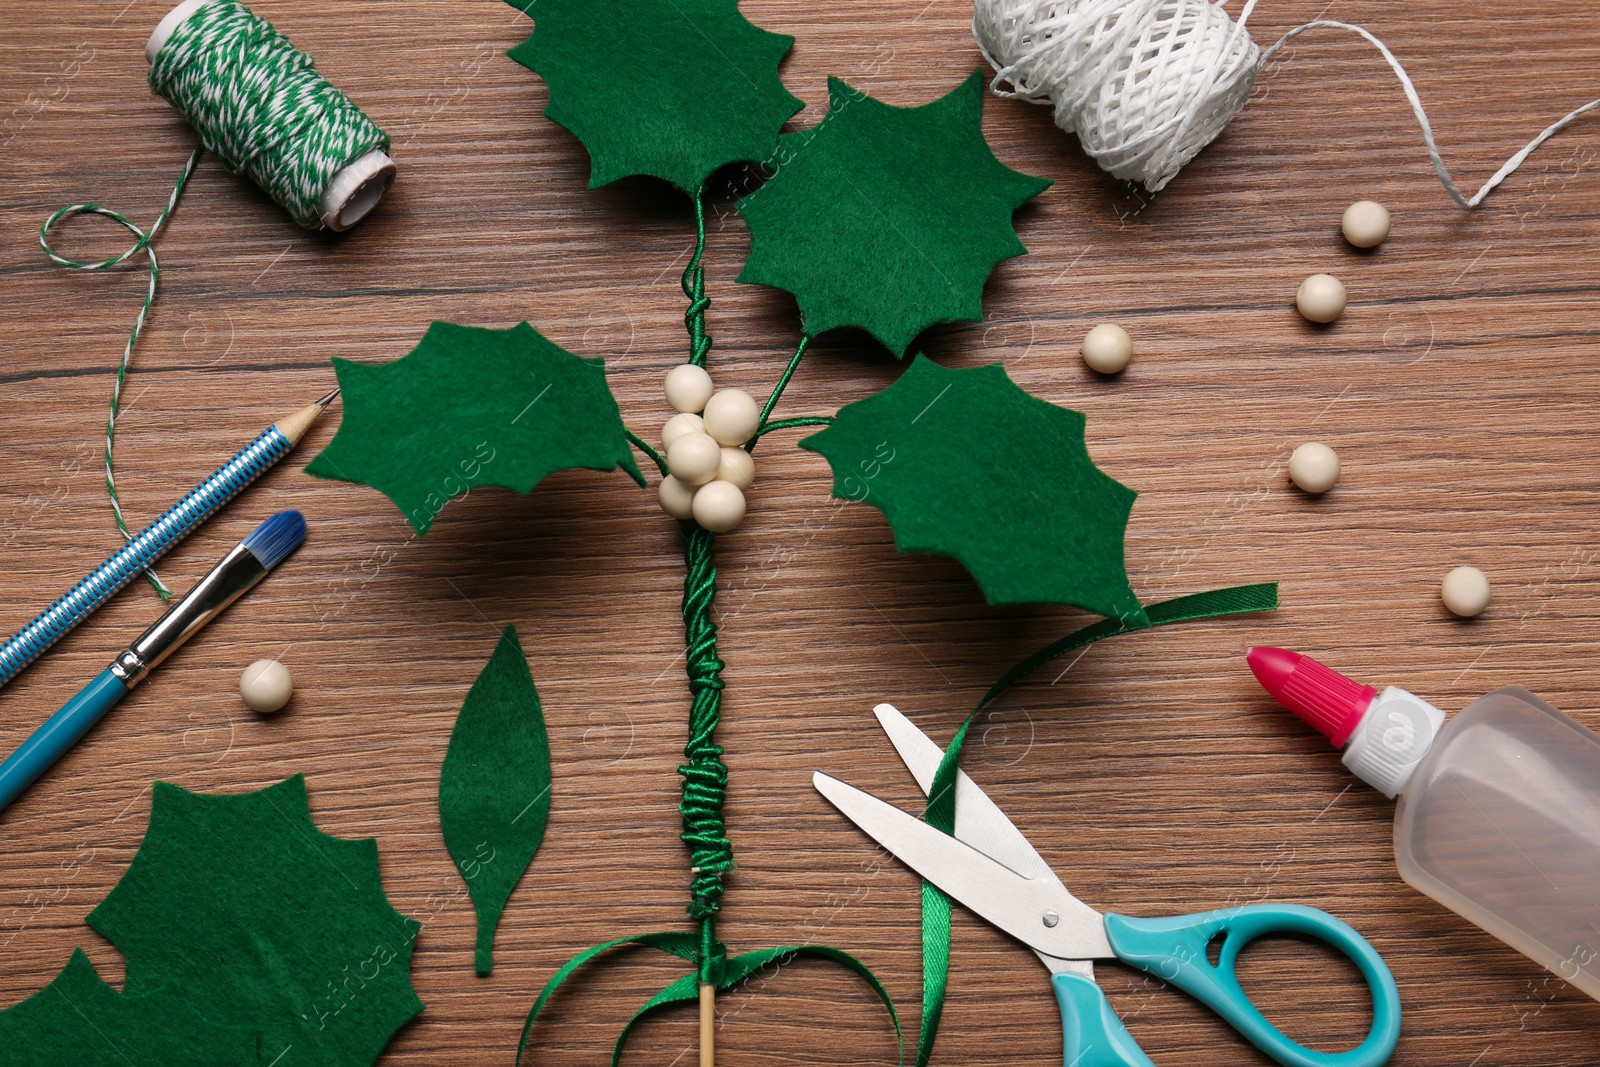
(1145, 84)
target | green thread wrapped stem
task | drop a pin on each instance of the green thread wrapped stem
(789, 424)
(644, 446)
(694, 287)
(777, 390)
(705, 777)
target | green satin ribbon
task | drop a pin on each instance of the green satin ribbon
(941, 809)
(725, 973)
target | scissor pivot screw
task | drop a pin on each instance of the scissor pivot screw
(1051, 918)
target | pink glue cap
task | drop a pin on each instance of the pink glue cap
(1320, 695)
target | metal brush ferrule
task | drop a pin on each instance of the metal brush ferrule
(229, 580)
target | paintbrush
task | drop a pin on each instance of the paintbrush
(249, 562)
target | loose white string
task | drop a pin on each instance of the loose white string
(1147, 84)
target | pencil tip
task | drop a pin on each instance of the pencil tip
(325, 401)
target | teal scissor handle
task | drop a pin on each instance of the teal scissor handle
(1175, 950)
(1091, 1033)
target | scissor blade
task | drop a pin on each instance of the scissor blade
(1039, 912)
(979, 821)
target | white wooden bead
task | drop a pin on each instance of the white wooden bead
(1365, 223)
(1465, 591)
(1314, 467)
(719, 506)
(676, 498)
(694, 458)
(678, 425)
(266, 686)
(1107, 348)
(1321, 298)
(688, 387)
(738, 467)
(731, 416)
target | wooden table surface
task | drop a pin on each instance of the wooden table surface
(1459, 389)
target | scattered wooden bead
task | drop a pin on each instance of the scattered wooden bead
(266, 686)
(1314, 467)
(694, 458)
(1107, 348)
(731, 416)
(738, 467)
(676, 498)
(719, 506)
(1321, 298)
(678, 425)
(1365, 223)
(688, 388)
(1465, 591)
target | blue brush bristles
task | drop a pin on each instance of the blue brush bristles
(277, 537)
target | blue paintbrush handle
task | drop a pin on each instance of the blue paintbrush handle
(59, 733)
(56, 621)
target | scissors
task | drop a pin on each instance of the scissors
(990, 867)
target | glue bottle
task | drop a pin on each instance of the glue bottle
(1499, 808)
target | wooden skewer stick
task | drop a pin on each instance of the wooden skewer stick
(708, 1024)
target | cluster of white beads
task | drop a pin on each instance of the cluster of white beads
(710, 470)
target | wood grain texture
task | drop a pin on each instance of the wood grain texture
(1459, 389)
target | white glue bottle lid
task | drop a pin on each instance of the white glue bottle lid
(353, 192)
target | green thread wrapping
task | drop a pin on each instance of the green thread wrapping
(705, 777)
(260, 106)
(694, 287)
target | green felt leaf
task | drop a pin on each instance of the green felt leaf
(966, 464)
(469, 407)
(80, 1021)
(887, 218)
(262, 920)
(669, 88)
(494, 787)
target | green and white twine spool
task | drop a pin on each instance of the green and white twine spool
(260, 107)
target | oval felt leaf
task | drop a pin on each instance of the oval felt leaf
(494, 787)
(887, 218)
(966, 464)
(469, 407)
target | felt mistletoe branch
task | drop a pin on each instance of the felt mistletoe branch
(883, 218)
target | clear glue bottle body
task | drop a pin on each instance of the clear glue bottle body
(1499, 808)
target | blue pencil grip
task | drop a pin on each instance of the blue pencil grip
(59, 733)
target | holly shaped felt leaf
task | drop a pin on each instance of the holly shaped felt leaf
(261, 920)
(669, 88)
(469, 407)
(494, 787)
(77, 1019)
(887, 218)
(966, 464)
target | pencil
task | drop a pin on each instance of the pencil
(157, 539)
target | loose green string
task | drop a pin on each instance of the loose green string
(941, 809)
(144, 241)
